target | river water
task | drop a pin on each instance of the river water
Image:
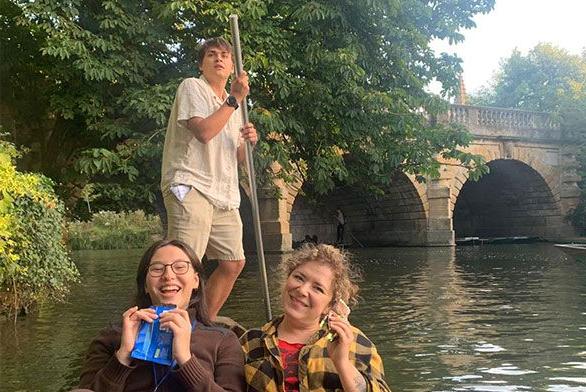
(488, 318)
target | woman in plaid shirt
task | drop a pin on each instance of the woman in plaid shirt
(310, 347)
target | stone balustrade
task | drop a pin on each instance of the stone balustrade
(487, 117)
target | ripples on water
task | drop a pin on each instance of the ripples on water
(490, 318)
(500, 318)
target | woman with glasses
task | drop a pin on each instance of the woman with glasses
(204, 357)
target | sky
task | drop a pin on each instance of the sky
(520, 24)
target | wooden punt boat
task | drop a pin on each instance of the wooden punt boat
(575, 250)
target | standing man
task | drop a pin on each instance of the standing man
(340, 227)
(199, 177)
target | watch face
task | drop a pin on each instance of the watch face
(232, 101)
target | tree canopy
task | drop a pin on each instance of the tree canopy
(547, 79)
(337, 86)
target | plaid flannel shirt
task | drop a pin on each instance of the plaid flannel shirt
(263, 367)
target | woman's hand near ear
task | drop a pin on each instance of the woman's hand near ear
(339, 353)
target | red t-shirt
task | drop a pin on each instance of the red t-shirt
(290, 358)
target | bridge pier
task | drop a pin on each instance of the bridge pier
(274, 226)
(440, 230)
(274, 204)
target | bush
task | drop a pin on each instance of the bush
(34, 263)
(111, 230)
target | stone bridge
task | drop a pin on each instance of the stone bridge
(531, 187)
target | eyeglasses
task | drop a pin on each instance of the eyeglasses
(179, 267)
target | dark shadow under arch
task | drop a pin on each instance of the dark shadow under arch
(512, 200)
(395, 218)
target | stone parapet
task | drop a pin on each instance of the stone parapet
(498, 122)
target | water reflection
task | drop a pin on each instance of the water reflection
(491, 318)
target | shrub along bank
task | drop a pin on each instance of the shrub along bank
(34, 263)
(111, 230)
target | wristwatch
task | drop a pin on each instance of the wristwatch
(232, 102)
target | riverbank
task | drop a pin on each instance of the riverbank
(109, 230)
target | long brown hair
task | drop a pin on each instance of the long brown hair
(197, 301)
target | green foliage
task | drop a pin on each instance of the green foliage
(34, 264)
(337, 86)
(547, 79)
(111, 230)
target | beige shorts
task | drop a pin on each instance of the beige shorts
(209, 230)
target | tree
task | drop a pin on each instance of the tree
(337, 86)
(547, 79)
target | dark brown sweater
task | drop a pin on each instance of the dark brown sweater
(216, 365)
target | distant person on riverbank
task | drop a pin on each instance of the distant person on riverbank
(296, 349)
(340, 227)
(199, 178)
(204, 357)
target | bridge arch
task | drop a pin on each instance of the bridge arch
(512, 200)
(399, 217)
(534, 159)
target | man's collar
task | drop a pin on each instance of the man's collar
(225, 94)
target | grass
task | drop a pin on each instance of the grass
(111, 230)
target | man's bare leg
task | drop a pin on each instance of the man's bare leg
(220, 283)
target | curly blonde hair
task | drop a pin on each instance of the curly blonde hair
(346, 275)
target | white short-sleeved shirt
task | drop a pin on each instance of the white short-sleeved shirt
(211, 168)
